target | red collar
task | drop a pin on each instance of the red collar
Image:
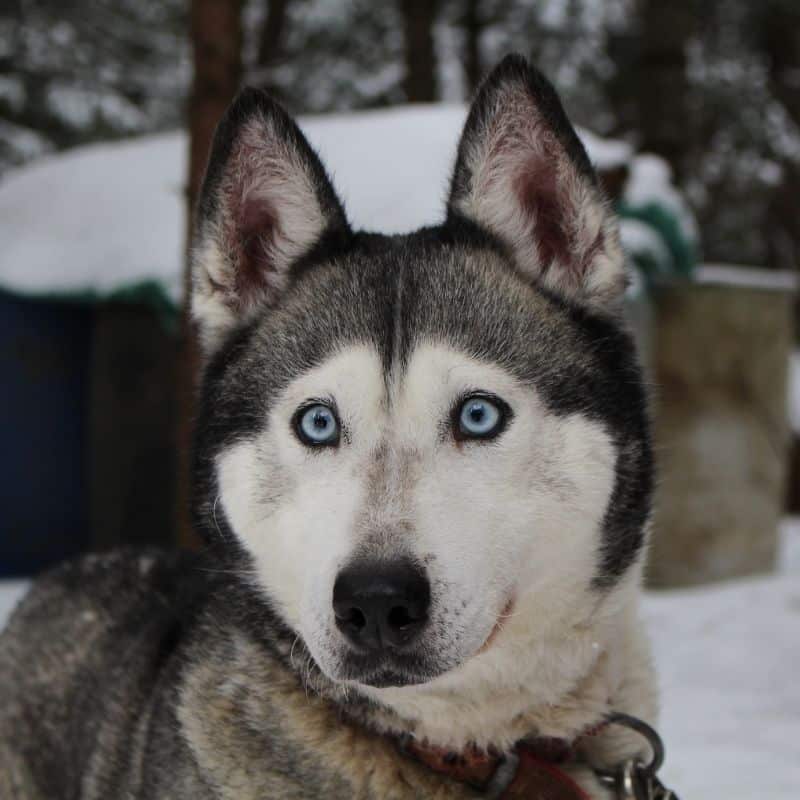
(531, 769)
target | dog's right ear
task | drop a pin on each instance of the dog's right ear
(523, 175)
(265, 202)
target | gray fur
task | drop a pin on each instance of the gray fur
(145, 676)
(136, 676)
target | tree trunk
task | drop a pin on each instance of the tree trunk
(216, 34)
(272, 33)
(779, 41)
(216, 31)
(663, 87)
(472, 23)
(721, 356)
(420, 84)
(270, 47)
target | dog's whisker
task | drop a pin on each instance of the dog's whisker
(214, 516)
(291, 651)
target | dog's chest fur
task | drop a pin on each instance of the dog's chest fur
(132, 688)
(258, 733)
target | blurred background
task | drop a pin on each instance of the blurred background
(690, 110)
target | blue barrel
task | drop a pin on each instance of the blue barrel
(44, 370)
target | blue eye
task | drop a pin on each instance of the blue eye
(481, 417)
(317, 425)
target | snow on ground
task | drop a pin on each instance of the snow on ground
(112, 215)
(728, 657)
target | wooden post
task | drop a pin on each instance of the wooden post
(272, 35)
(472, 25)
(720, 358)
(216, 33)
(778, 32)
(421, 81)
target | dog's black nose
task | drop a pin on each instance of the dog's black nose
(381, 605)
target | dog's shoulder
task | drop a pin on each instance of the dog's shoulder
(81, 656)
(74, 606)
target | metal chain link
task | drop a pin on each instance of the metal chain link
(635, 780)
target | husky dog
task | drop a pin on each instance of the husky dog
(423, 471)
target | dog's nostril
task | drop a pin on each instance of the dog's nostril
(381, 605)
(399, 617)
(354, 617)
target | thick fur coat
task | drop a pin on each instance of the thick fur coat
(335, 439)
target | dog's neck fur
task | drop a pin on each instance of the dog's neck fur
(559, 687)
(564, 684)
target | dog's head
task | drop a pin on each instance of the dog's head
(429, 447)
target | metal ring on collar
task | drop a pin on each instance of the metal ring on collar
(643, 729)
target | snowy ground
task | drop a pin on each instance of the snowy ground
(728, 659)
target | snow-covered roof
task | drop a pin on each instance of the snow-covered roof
(100, 218)
(95, 219)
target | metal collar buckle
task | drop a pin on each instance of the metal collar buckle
(634, 779)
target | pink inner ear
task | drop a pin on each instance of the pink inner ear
(546, 203)
(537, 188)
(252, 225)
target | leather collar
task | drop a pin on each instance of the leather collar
(531, 769)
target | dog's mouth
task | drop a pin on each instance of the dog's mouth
(386, 678)
(508, 611)
(409, 668)
(382, 671)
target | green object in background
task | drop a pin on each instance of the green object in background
(144, 294)
(666, 225)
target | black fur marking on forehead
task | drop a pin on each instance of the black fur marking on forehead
(455, 287)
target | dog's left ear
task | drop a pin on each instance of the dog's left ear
(266, 201)
(523, 175)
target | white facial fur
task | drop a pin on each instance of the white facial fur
(514, 520)
(294, 508)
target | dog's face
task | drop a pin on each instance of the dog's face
(428, 447)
